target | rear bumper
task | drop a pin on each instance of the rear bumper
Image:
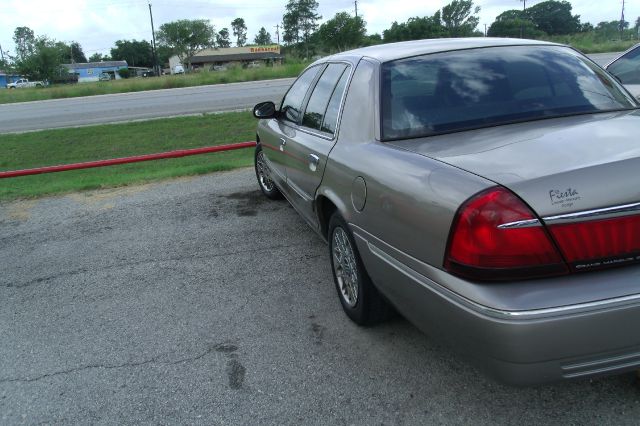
(517, 347)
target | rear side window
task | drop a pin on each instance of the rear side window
(460, 90)
(292, 102)
(331, 116)
(314, 114)
(627, 68)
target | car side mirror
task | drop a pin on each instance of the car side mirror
(265, 110)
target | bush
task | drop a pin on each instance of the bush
(124, 73)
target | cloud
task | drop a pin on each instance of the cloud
(97, 24)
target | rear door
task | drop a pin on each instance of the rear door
(308, 149)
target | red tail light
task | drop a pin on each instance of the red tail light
(480, 248)
(599, 243)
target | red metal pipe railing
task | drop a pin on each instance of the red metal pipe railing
(126, 160)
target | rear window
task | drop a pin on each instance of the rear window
(467, 89)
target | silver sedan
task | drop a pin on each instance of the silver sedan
(486, 189)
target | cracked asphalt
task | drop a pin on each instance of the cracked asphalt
(198, 301)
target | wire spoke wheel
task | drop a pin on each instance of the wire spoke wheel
(344, 267)
(263, 173)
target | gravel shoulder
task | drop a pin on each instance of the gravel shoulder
(198, 301)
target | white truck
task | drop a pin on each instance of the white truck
(23, 82)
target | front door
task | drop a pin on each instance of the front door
(275, 133)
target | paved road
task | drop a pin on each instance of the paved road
(152, 104)
(603, 59)
(138, 106)
(198, 301)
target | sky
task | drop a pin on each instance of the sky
(97, 24)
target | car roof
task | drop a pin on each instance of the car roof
(392, 51)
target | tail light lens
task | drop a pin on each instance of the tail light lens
(480, 248)
(599, 243)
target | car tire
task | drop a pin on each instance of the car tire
(267, 186)
(360, 299)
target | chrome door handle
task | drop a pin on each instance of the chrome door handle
(283, 143)
(313, 162)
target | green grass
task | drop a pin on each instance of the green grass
(589, 43)
(63, 146)
(232, 75)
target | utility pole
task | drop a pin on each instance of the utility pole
(524, 9)
(156, 71)
(1, 53)
(278, 33)
(485, 30)
(622, 22)
(356, 3)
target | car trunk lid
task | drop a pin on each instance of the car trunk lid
(579, 174)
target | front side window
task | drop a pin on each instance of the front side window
(292, 102)
(317, 106)
(627, 68)
(475, 88)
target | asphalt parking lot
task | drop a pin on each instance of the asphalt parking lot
(198, 301)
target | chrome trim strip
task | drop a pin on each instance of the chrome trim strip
(604, 213)
(529, 223)
(486, 310)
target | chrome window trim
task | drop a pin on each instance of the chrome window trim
(603, 213)
(324, 135)
(529, 223)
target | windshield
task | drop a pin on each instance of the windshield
(467, 89)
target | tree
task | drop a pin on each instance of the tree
(607, 30)
(514, 28)
(459, 18)
(342, 32)
(222, 38)
(300, 21)
(587, 27)
(97, 57)
(263, 37)
(554, 17)
(5, 65)
(415, 29)
(514, 23)
(290, 25)
(186, 37)
(77, 53)
(38, 58)
(239, 31)
(24, 39)
(44, 60)
(71, 53)
(136, 53)
(372, 40)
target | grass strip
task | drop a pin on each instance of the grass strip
(65, 146)
(588, 43)
(232, 75)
